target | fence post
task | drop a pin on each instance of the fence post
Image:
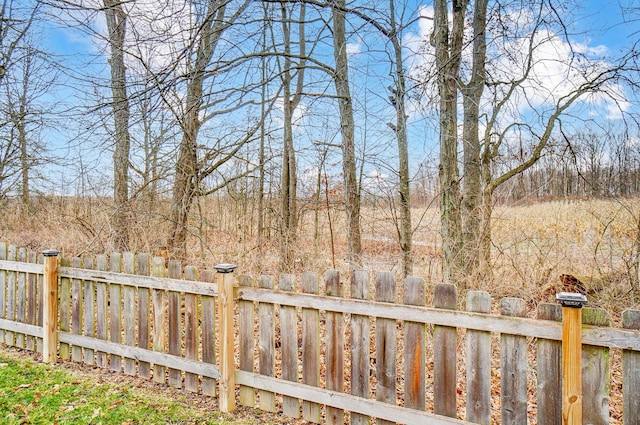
(225, 313)
(571, 356)
(50, 307)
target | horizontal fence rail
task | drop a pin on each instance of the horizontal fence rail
(323, 349)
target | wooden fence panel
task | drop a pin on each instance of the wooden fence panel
(76, 310)
(414, 347)
(101, 310)
(175, 319)
(21, 294)
(246, 337)
(3, 289)
(144, 309)
(478, 363)
(129, 312)
(115, 311)
(513, 366)
(158, 298)
(595, 373)
(310, 348)
(191, 316)
(549, 368)
(289, 345)
(11, 295)
(267, 342)
(32, 306)
(631, 372)
(89, 297)
(360, 344)
(64, 301)
(209, 334)
(334, 346)
(386, 344)
(39, 302)
(445, 343)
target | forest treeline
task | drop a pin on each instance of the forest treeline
(277, 105)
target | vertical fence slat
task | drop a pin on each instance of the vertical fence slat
(478, 363)
(310, 347)
(144, 310)
(595, 373)
(360, 344)
(267, 401)
(11, 296)
(335, 346)
(3, 288)
(115, 311)
(445, 356)
(158, 301)
(175, 319)
(76, 310)
(89, 311)
(21, 304)
(631, 373)
(289, 344)
(101, 310)
(414, 347)
(32, 302)
(191, 329)
(40, 301)
(513, 367)
(386, 344)
(549, 368)
(63, 308)
(209, 334)
(129, 311)
(246, 336)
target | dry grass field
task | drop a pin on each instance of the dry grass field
(533, 244)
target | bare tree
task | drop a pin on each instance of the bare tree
(16, 18)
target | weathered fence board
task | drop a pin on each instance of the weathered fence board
(158, 298)
(88, 306)
(3, 288)
(445, 356)
(191, 330)
(266, 349)
(513, 385)
(11, 295)
(101, 310)
(209, 334)
(334, 358)
(478, 363)
(21, 282)
(76, 310)
(129, 312)
(631, 373)
(144, 309)
(310, 348)
(360, 344)
(115, 311)
(289, 346)
(595, 373)
(246, 318)
(386, 344)
(174, 315)
(32, 306)
(414, 347)
(549, 367)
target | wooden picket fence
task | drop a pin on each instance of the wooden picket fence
(300, 346)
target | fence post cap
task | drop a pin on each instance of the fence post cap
(50, 253)
(225, 268)
(571, 299)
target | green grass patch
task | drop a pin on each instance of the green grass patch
(34, 393)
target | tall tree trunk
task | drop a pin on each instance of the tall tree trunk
(351, 186)
(405, 228)
(474, 211)
(186, 180)
(116, 25)
(448, 55)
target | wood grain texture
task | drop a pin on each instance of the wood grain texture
(208, 333)
(102, 310)
(445, 355)
(386, 344)
(289, 346)
(174, 315)
(76, 310)
(191, 317)
(414, 347)
(549, 368)
(513, 367)
(3, 288)
(266, 346)
(246, 336)
(129, 312)
(310, 348)
(115, 311)
(334, 346)
(596, 381)
(631, 373)
(158, 297)
(360, 344)
(88, 325)
(478, 363)
(144, 310)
